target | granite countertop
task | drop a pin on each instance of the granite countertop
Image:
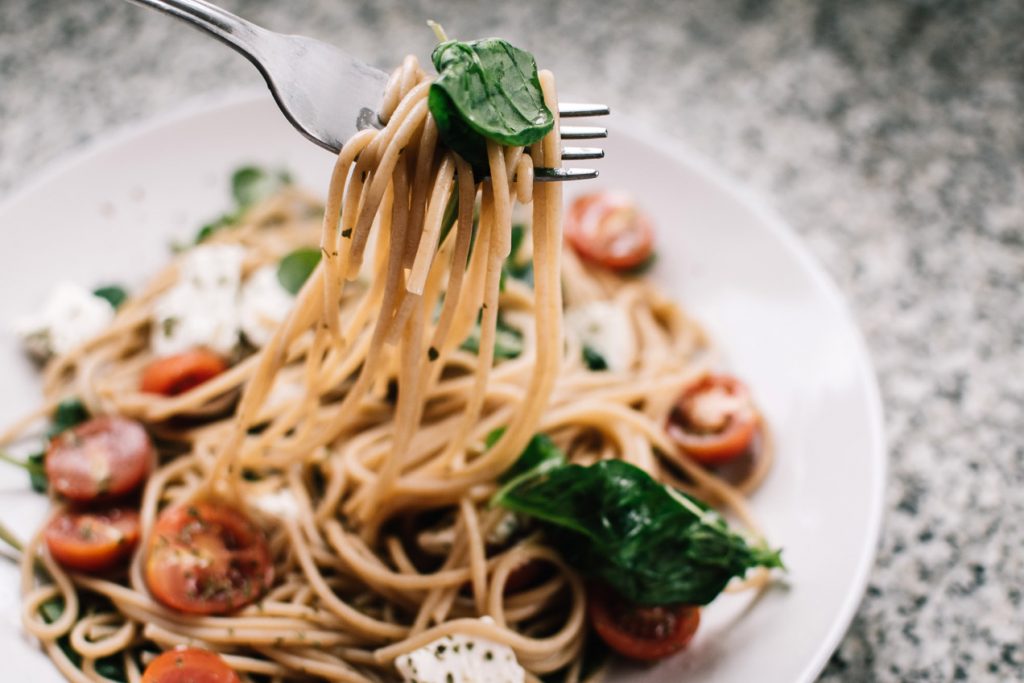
(888, 132)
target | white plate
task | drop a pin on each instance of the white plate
(110, 213)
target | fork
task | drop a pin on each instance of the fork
(328, 95)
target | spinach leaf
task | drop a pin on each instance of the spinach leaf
(540, 455)
(593, 359)
(111, 667)
(486, 89)
(508, 341)
(115, 294)
(69, 413)
(249, 185)
(515, 266)
(296, 267)
(649, 542)
(252, 184)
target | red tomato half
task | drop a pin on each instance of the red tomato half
(207, 558)
(93, 541)
(644, 633)
(714, 420)
(181, 372)
(189, 665)
(102, 458)
(609, 230)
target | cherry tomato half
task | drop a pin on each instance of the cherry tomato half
(639, 632)
(714, 419)
(609, 230)
(177, 374)
(189, 665)
(93, 541)
(207, 558)
(102, 458)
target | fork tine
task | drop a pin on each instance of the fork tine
(548, 174)
(577, 153)
(583, 132)
(570, 109)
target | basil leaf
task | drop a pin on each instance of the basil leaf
(69, 413)
(115, 294)
(650, 543)
(486, 89)
(593, 359)
(215, 226)
(37, 472)
(508, 341)
(111, 667)
(514, 266)
(296, 267)
(252, 184)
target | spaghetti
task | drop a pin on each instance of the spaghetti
(379, 441)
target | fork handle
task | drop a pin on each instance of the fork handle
(242, 35)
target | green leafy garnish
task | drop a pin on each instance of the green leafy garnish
(296, 267)
(649, 542)
(508, 341)
(486, 89)
(249, 185)
(515, 266)
(593, 359)
(252, 184)
(111, 667)
(69, 413)
(115, 294)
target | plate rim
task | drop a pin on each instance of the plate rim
(681, 152)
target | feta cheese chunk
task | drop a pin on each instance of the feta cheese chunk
(264, 306)
(461, 659)
(70, 316)
(280, 503)
(201, 310)
(606, 329)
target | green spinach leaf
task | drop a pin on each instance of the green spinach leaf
(593, 359)
(252, 184)
(649, 542)
(296, 267)
(69, 413)
(115, 294)
(508, 341)
(486, 89)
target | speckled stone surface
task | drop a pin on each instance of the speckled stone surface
(890, 133)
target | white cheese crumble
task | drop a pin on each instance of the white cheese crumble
(461, 659)
(280, 503)
(606, 329)
(201, 310)
(264, 305)
(70, 316)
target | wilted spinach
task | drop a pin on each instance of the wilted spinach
(508, 341)
(295, 268)
(68, 413)
(649, 542)
(593, 359)
(249, 185)
(486, 89)
(114, 294)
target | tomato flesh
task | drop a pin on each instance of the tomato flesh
(645, 633)
(714, 420)
(607, 229)
(100, 459)
(181, 372)
(207, 558)
(93, 542)
(189, 665)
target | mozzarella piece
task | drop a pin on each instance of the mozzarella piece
(69, 317)
(280, 503)
(201, 310)
(461, 659)
(606, 329)
(264, 305)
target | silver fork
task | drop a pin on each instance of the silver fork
(328, 95)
